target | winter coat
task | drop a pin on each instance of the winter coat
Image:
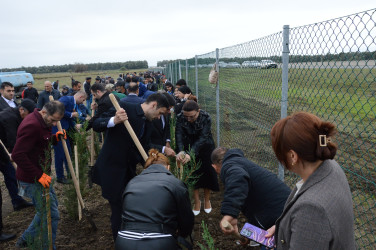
(251, 189)
(44, 97)
(158, 197)
(31, 94)
(195, 135)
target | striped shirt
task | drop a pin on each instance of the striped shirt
(141, 236)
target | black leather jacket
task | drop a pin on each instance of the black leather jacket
(157, 197)
(195, 135)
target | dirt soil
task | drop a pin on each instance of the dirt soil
(79, 235)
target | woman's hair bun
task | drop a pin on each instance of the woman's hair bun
(329, 151)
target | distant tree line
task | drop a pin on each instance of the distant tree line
(80, 67)
(350, 56)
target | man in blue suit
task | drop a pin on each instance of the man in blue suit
(132, 96)
(68, 122)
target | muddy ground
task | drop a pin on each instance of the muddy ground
(78, 234)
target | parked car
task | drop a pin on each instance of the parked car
(233, 65)
(268, 64)
(251, 64)
(222, 64)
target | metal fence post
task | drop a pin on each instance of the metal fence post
(176, 71)
(196, 76)
(186, 71)
(217, 97)
(285, 70)
(179, 70)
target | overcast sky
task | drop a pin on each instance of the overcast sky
(39, 32)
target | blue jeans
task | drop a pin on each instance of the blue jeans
(35, 192)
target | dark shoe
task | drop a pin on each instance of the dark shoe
(63, 181)
(6, 237)
(21, 205)
(21, 243)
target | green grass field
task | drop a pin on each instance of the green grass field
(250, 103)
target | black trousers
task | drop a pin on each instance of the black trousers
(116, 209)
(167, 243)
(11, 182)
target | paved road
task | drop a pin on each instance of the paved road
(371, 64)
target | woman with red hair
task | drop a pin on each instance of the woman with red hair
(156, 208)
(319, 212)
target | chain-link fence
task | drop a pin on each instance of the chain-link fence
(325, 68)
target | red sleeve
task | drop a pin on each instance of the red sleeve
(27, 139)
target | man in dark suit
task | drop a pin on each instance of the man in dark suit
(102, 102)
(161, 136)
(10, 120)
(7, 94)
(3, 236)
(70, 103)
(114, 172)
(132, 96)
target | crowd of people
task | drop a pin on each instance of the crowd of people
(316, 214)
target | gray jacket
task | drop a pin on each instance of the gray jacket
(320, 216)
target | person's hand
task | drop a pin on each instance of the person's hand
(233, 222)
(120, 116)
(74, 114)
(45, 180)
(186, 96)
(61, 135)
(271, 232)
(183, 157)
(94, 105)
(169, 152)
(78, 126)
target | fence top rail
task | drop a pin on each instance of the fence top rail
(337, 18)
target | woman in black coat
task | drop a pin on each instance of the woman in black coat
(193, 131)
(156, 208)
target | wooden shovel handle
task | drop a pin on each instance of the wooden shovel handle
(6, 151)
(130, 130)
(70, 165)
